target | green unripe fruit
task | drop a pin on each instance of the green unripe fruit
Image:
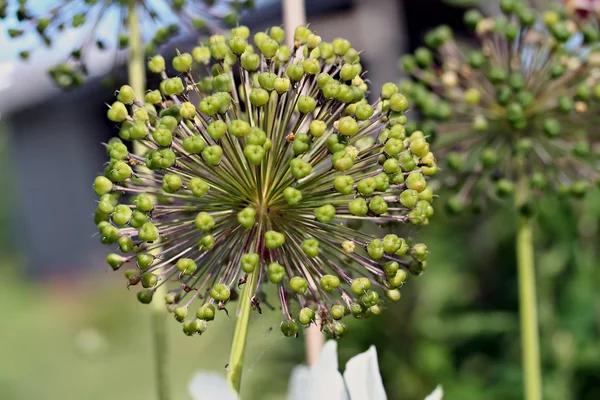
(212, 155)
(201, 55)
(378, 205)
(157, 64)
(198, 186)
(149, 280)
(145, 296)
(292, 196)
(375, 249)
(366, 186)
(274, 239)
(310, 247)
(344, 184)
(409, 198)
(126, 95)
(489, 158)
(144, 261)
(237, 45)
(398, 103)
(369, 299)
(250, 62)
(276, 272)
(325, 213)
(397, 280)
(306, 104)
(289, 328)
(393, 147)
(117, 112)
(311, 66)
(182, 62)
(338, 311)
(416, 181)
(299, 285)
(115, 261)
(102, 185)
(220, 292)
(173, 86)
(125, 244)
(360, 285)
(329, 282)
(207, 242)
(505, 187)
(306, 316)
(171, 183)
(300, 168)
(246, 217)
(148, 232)
(122, 214)
(423, 57)
(206, 312)
(347, 126)
(418, 252)
(268, 47)
(358, 207)
(194, 144)
(249, 262)
(254, 153)
(162, 136)
(186, 265)
(204, 221)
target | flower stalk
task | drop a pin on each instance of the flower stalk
(530, 346)
(238, 345)
(136, 70)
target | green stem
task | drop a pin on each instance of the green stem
(238, 345)
(530, 346)
(136, 69)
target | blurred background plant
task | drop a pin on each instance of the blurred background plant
(103, 24)
(70, 328)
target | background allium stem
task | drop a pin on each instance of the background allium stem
(530, 346)
(294, 14)
(136, 70)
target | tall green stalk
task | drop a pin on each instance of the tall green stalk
(530, 345)
(136, 69)
(238, 345)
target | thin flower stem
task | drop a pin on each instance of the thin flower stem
(238, 345)
(530, 346)
(137, 80)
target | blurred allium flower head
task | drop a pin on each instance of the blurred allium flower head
(104, 23)
(261, 172)
(520, 108)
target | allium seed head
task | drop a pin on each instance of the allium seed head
(519, 108)
(261, 173)
(93, 18)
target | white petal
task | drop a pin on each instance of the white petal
(210, 386)
(326, 382)
(437, 394)
(299, 388)
(362, 377)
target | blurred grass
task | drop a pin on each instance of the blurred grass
(72, 340)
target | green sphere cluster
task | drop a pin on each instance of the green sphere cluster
(520, 111)
(93, 18)
(261, 172)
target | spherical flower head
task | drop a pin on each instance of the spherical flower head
(261, 174)
(159, 21)
(515, 112)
